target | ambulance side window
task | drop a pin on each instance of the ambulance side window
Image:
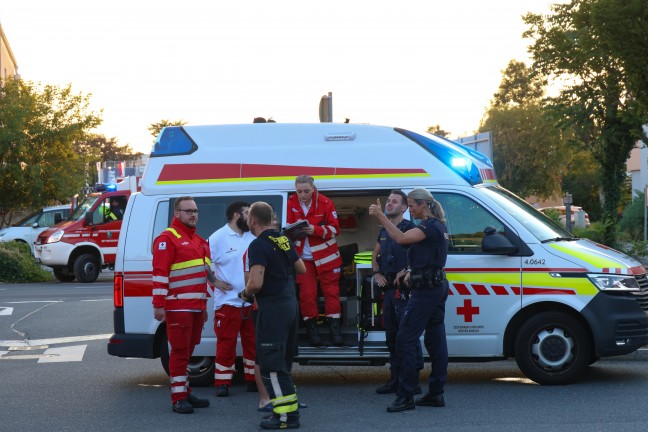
(161, 221)
(466, 220)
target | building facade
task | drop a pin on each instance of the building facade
(8, 64)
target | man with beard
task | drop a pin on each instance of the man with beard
(231, 315)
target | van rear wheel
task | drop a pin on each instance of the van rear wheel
(199, 369)
(86, 268)
(553, 348)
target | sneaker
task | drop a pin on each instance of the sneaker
(390, 387)
(431, 400)
(182, 407)
(274, 422)
(197, 402)
(222, 390)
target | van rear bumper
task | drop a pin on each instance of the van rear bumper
(619, 324)
(132, 345)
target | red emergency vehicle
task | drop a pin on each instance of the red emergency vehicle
(86, 242)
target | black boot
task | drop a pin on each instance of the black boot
(313, 334)
(274, 421)
(390, 387)
(334, 330)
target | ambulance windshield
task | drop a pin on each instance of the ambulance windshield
(82, 208)
(543, 228)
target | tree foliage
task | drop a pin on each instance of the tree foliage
(569, 47)
(156, 128)
(39, 163)
(98, 148)
(528, 151)
(436, 130)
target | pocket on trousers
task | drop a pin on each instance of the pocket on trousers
(177, 335)
(270, 356)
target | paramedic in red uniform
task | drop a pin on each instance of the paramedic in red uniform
(180, 261)
(319, 251)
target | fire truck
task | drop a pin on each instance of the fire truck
(86, 242)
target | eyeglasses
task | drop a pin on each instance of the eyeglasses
(189, 211)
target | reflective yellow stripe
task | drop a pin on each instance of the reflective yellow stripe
(187, 264)
(486, 278)
(580, 285)
(586, 255)
(285, 404)
(174, 232)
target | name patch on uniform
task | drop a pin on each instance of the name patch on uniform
(162, 246)
(334, 214)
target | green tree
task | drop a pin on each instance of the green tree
(594, 100)
(156, 128)
(39, 164)
(98, 148)
(436, 130)
(528, 151)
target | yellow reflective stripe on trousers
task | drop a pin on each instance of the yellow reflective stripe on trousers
(285, 404)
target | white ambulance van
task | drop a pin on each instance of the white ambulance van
(520, 285)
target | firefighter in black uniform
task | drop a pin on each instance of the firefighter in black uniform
(271, 263)
(389, 261)
(425, 310)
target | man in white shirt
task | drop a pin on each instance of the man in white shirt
(231, 315)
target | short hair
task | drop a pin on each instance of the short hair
(305, 179)
(235, 207)
(176, 205)
(401, 194)
(262, 212)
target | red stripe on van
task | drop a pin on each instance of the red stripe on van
(499, 290)
(183, 172)
(138, 287)
(480, 290)
(462, 289)
(547, 291)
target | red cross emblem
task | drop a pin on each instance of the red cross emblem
(468, 310)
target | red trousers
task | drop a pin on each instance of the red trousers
(229, 321)
(183, 330)
(329, 281)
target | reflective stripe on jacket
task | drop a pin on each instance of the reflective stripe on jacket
(323, 217)
(179, 275)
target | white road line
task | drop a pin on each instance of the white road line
(36, 301)
(6, 311)
(54, 341)
(63, 354)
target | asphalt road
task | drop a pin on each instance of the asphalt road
(66, 381)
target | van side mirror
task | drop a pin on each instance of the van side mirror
(496, 242)
(35, 225)
(58, 217)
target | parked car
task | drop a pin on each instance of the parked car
(27, 229)
(562, 211)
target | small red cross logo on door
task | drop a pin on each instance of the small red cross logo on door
(468, 310)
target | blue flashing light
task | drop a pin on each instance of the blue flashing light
(173, 140)
(111, 187)
(451, 155)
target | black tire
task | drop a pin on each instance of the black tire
(553, 348)
(200, 369)
(86, 268)
(62, 275)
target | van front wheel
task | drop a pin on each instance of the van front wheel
(86, 268)
(553, 348)
(199, 369)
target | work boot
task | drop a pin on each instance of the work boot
(334, 331)
(275, 422)
(313, 333)
(196, 402)
(222, 390)
(402, 403)
(390, 386)
(182, 407)
(431, 400)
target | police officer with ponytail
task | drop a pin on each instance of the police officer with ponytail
(425, 310)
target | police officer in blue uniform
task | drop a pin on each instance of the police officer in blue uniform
(389, 261)
(425, 310)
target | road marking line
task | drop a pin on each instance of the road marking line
(6, 311)
(63, 354)
(36, 301)
(23, 357)
(28, 348)
(54, 341)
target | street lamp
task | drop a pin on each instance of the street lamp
(567, 200)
